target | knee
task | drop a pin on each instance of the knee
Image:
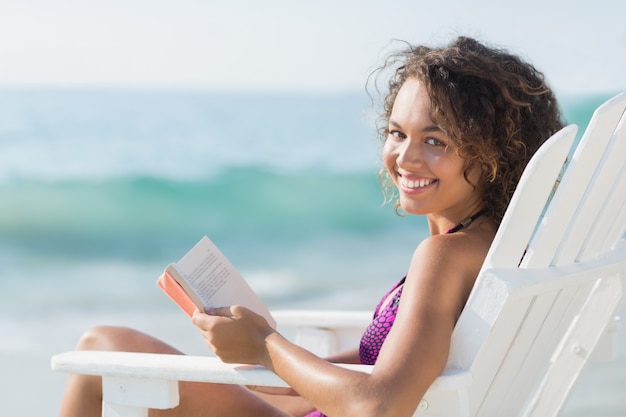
(122, 339)
(103, 338)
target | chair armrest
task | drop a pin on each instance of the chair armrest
(169, 367)
(200, 369)
(133, 382)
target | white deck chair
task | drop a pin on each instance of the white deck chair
(544, 301)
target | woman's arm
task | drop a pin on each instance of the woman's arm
(349, 356)
(413, 355)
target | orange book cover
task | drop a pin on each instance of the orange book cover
(176, 293)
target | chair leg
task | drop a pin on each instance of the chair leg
(132, 396)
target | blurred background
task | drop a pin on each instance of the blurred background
(130, 129)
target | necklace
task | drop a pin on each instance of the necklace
(466, 222)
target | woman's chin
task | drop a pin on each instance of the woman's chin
(411, 208)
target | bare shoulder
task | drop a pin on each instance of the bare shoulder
(465, 250)
(444, 267)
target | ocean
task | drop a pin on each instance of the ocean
(101, 189)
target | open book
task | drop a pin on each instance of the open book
(205, 278)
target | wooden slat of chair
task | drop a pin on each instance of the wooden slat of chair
(576, 348)
(545, 324)
(528, 203)
(587, 167)
(611, 221)
(556, 224)
(504, 393)
(596, 197)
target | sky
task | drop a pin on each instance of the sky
(293, 45)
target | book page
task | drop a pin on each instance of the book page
(216, 282)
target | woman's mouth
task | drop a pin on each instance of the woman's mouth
(415, 184)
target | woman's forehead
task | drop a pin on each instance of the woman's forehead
(412, 103)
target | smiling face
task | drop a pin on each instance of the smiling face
(422, 161)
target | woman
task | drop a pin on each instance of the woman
(460, 124)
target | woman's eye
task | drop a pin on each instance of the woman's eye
(435, 142)
(397, 134)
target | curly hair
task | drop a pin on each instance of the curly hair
(496, 109)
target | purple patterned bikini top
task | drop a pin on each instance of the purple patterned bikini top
(377, 331)
(379, 328)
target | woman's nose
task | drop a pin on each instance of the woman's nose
(409, 153)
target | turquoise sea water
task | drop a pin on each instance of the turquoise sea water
(99, 190)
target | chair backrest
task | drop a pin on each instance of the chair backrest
(549, 286)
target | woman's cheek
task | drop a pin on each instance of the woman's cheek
(389, 156)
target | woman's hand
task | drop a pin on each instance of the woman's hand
(235, 333)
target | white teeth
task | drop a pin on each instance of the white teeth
(415, 184)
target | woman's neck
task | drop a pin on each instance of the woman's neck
(453, 222)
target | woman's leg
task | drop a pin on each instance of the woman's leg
(83, 394)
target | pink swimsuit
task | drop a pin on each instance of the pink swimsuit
(375, 334)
